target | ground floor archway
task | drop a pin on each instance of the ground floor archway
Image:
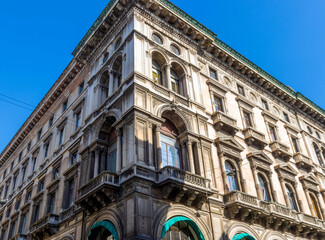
(243, 236)
(103, 230)
(181, 228)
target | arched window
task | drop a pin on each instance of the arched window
(231, 177)
(103, 230)
(264, 187)
(112, 151)
(158, 69)
(117, 73)
(156, 72)
(174, 81)
(181, 228)
(318, 155)
(170, 146)
(103, 86)
(177, 80)
(315, 209)
(291, 197)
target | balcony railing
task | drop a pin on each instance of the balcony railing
(280, 150)
(103, 179)
(303, 161)
(251, 209)
(223, 122)
(254, 137)
(181, 186)
(178, 175)
(48, 224)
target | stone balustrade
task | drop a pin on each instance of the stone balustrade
(280, 150)
(254, 137)
(223, 122)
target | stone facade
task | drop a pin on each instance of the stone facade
(156, 121)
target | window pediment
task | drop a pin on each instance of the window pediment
(260, 160)
(309, 182)
(269, 117)
(245, 103)
(229, 146)
(216, 87)
(287, 172)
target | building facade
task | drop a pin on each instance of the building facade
(159, 130)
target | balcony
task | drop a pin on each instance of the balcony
(303, 161)
(45, 227)
(98, 192)
(223, 122)
(250, 209)
(254, 137)
(185, 187)
(280, 150)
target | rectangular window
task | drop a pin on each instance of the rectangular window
(55, 172)
(64, 106)
(218, 104)
(29, 146)
(247, 119)
(81, 87)
(6, 189)
(12, 165)
(74, 158)
(22, 223)
(34, 160)
(39, 134)
(12, 229)
(14, 181)
(5, 174)
(36, 212)
(273, 134)
(69, 193)
(170, 152)
(265, 104)
(24, 172)
(112, 161)
(8, 212)
(61, 136)
(3, 234)
(241, 90)
(51, 121)
(46, 149)
(51, 202)
(295, 144)
(286, 117)
(78, 120)
(213, 74)
(28, 195)
(17, 206)
(20, 156)
(40, 186)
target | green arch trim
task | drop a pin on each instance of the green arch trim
(106, 224)
(239, 236)
(174, 220)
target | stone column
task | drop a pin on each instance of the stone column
(257, 185)
(167, 71)
(200, 159)
(273, 191)
(158, 147)
(190, 156)
(185, 163)
(321, 204)
(96, 164)
(118, 150)
(300, 202)
(103, 160)
(242, 180)
(111, 83)
(150, 145)
(284, 190)
(224, 173)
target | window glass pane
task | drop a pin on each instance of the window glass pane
(112, 161)
(164, 154)
(213, 74)
(157, 39)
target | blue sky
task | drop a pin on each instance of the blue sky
(285, 38)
